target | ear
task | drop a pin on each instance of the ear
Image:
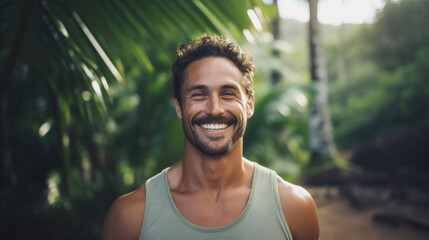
(178, 108)
(250, 106)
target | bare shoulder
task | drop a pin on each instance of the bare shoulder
(125, 216)
(299, 210)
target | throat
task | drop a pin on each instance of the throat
(206, 198)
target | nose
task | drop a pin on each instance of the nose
(214, 106)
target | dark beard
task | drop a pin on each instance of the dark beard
(194, 139)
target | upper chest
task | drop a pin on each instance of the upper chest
(212, 210)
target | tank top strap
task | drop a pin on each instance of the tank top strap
(267, 199)
(157, 199)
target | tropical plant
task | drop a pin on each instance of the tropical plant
(277, 133)
(86, 93)
(386, 78)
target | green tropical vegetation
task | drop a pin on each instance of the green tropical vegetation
(86, 97)
(387, 81)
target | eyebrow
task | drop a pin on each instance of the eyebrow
(228, 86)
(196, 87)
(204, 87)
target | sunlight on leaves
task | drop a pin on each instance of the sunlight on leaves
(248, 35)
(98, 48)
(53, 191)
(44, 128)
(127, 173)
(255, 20)
(86, 95)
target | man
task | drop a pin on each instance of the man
(213, 192)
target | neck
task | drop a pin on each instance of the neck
(212, 173)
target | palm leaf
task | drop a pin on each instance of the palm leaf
(76, 46)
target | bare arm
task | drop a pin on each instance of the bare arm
(299, 210)
(125, 217)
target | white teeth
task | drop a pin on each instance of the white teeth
(215, 126)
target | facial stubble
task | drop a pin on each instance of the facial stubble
(191, 133)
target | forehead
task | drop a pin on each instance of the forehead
(212, 72)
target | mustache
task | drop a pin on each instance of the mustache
(212, 119)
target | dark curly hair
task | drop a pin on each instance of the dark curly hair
(212, 46)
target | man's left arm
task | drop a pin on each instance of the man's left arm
(299, 210)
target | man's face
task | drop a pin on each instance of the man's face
(215, 107)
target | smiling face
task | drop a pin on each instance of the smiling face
(215, 106)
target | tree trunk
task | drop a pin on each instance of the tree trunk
(24, 20)
(341, 63)
(321, 144)
(275, 25)
(8, 174)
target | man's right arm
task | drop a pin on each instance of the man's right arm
(125, 217)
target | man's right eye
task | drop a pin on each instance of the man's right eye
(198, 95)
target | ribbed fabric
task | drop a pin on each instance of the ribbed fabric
(262, 218)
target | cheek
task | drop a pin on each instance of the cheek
(190, 112)
(241, 111)
(192, 109)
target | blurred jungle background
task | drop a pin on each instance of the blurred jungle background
(87, 113)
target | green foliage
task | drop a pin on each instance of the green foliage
(400, 32)
(89, 105)
(386, 87)
(276, 134)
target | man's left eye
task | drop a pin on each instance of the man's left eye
(228, 94)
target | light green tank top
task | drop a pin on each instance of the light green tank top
(262, 218)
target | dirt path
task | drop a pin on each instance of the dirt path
(340, 221)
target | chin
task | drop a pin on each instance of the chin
(215, 152)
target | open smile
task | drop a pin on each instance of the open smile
(214, 126)
(211, 123)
